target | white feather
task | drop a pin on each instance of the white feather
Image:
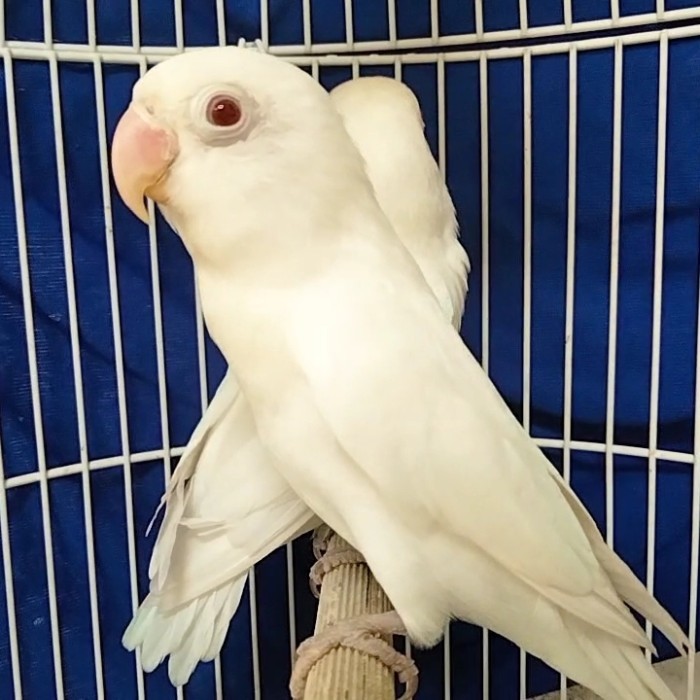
(384, 120)
(364, 396)
(451, 501)
(197, 576)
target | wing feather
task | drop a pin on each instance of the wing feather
(417, 414)
(428, 431)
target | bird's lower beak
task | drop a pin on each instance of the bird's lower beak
(142, 152)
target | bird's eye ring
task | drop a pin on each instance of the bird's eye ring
(224, 111)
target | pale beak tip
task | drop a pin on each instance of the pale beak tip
(141, 213)
(133, 200)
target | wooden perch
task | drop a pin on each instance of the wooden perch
(346, 674)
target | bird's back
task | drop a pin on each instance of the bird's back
(383, 118)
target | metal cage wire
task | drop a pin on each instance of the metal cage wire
(471, 64)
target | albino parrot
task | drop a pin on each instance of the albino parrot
(362, 392)
(236, 508)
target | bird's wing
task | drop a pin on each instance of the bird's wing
(428, 431)
(226, 509)
(175, 496)
(226, 506)
(236, 515)
(247, 516)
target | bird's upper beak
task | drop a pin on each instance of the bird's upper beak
(142, 152)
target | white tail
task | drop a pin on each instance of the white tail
(189, 634)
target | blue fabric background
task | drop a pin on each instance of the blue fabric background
(550, 162)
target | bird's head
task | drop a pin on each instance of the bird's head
(226, 125)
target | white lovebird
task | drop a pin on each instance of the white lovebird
(236, 508)
(361, 391)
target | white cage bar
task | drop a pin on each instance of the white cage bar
(614, 22)
(317, 56)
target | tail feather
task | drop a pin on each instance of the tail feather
(618, 671)
(586, 638)
(606, 664)
(231, 601)
(633, 592)
(605, 617)
(185, 658)
(627, 585)
(192, 633)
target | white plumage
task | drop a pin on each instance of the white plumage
(236, 508)
(362, 392)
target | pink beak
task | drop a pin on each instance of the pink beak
(142, 152)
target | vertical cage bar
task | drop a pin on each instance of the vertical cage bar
(118, 351)
(660, 9)
(484, 119)
(570, 259)
(656, 310)
(484, 130)
(218, 681)
(568, 18)
(391, 16)
(442, 133)
(221, 22)
(291, 596)
(306, 15)
(485, 685)
(135, 25)
(615, 10)
(398, 73)
(479, 18)
(695, 521)
(20, 224)
(9, 586)
(527, 276)
(201, 351)
(407, 643)
(527, 235)
(434, 20)
(254, 639)
(695, 524)
(4, 519)
(522, 11)
(264, 24)
(570, 278)
(349, 29)
(48, 23)
(77, 372)
(442, 163)
(91, 25)
(179, 25)
(614, 280)
(398, 68)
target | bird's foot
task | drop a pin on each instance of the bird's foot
(329, 557)
(320, 540)
(360, 633)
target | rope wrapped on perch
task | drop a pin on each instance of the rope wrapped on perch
(349, 671)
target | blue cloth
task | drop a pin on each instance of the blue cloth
(134, 276)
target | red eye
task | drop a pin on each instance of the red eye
(224, 111)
